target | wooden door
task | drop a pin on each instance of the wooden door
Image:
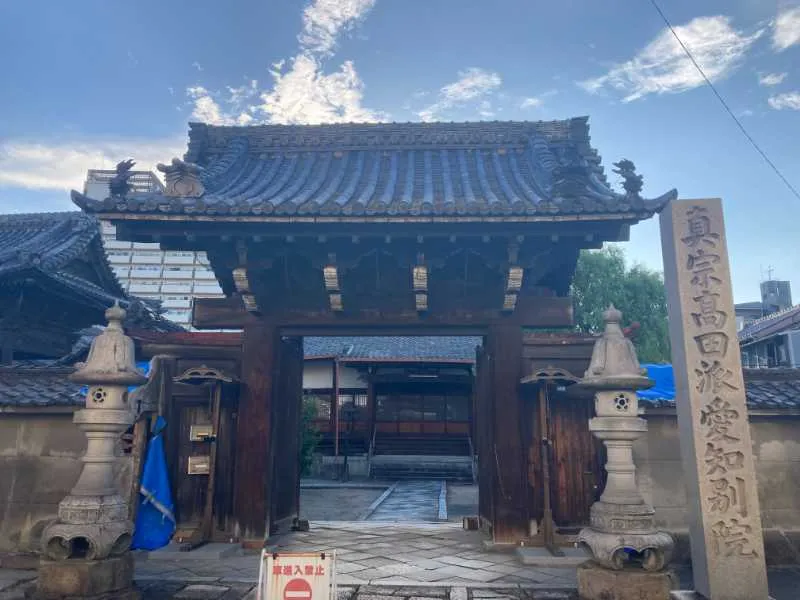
(192, 415)
(284, 493)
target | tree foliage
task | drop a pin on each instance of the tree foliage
(603, 278)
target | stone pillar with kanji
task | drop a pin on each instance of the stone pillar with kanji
(722, 495)
(628, 554)
(86, 551)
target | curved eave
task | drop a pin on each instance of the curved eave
(157, 207)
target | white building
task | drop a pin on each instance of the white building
(145, 270)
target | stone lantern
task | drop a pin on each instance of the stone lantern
(86, 550)
(622, 538)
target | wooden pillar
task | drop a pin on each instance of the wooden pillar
(504, 344)
(253, 460)
(371, 408)
(336, 407)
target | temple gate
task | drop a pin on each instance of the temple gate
(384, 229)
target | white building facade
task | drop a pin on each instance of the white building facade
(146, 271)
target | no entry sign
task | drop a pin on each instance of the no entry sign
(297, 589)
(296, 576)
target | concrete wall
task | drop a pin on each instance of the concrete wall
(39, 463)
(776, 448)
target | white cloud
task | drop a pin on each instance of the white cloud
(63, 166)
(305, 94)
(662, 66)
(325, 20)
(531, 102)
(786, 32)
(302, 90)
(207, 110)
(768, 79)
(473, 84)
(788, 101)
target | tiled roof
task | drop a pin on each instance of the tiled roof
(28, 385)
(400, 348)
(785, 320)
(49, 241)
(392, 169)
(60, 247)
(764, 389)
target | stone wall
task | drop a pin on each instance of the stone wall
(39, 463)
(776, 449)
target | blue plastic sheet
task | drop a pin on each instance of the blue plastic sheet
(155, 519)
(664, 389)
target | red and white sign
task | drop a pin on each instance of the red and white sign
(296, 576)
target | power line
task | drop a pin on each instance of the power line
(725, 104)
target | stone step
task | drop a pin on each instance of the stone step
(212, 551)
(538, 556)
(422, 467)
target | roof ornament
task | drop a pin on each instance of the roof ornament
(631, 181)
(183, 179)
(119, 185)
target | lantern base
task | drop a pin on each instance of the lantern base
(598, 583)
(650, 551)
(107, 579)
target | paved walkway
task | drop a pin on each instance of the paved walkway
(375, 561)
(410, 501)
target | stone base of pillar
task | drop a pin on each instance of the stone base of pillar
(598, 583)
(107, 579)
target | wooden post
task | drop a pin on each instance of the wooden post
(371, 408)
(253, 449)
(510, 514)
(336, 407)
(548, 524)
(723, 508)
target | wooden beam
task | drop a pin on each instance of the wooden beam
(531, 311)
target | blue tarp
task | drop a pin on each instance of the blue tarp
(664, 389)
(155, 520)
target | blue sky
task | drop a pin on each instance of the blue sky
(86, 83)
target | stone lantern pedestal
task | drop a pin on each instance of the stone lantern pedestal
(86, 551)
(629, 555)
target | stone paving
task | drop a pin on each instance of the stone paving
(410, 501)
(338, 503)
(376, 561)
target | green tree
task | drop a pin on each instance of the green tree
(603, 278)
(309, 436)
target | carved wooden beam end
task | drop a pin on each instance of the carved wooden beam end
(513, 286)
(242, 284)
(330, 274)
(419, 281)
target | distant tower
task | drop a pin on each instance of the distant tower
(775, 296)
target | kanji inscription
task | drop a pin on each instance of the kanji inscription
(712, 413)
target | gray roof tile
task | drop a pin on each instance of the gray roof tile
(392, 169)
(31, 384)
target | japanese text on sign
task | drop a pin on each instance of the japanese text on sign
(296, 576)
(726, 498)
